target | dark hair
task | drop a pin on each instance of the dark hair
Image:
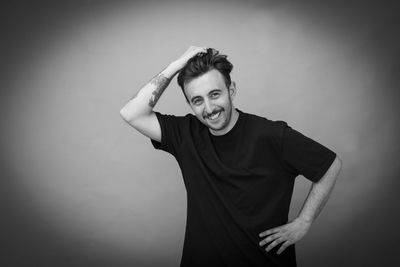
(202, 63)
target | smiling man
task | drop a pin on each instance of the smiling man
(238, 168)
(211, 101)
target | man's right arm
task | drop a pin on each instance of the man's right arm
(138, 112)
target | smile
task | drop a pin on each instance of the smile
(214, 116)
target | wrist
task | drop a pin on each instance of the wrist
(172, 69)
(304, 220)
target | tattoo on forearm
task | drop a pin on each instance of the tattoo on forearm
(161, 82)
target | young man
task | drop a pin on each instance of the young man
(239, 169)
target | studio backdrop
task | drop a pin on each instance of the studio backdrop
(80, 187)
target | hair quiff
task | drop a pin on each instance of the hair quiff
(202, 63)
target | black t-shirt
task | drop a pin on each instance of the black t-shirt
(238, 185)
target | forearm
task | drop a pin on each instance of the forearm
(319, 193)
(143, 102)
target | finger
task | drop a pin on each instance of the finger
(203, 50)
(273, 244)
(269, 239)
(283, 247)
(268, 232)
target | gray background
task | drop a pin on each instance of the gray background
(80, 187)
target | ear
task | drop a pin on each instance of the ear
(232, 90)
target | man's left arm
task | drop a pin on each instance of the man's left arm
(318, 195)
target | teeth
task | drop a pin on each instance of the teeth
(214, 116)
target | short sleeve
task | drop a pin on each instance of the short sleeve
(304, 156)
(171, 133)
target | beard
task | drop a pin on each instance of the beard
(223, 120)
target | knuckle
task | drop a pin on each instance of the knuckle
(269, 239)
(275, 236)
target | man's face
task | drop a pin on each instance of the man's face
(211, 100)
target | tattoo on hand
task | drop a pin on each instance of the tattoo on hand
(161, 82)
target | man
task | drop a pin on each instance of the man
(239, 169)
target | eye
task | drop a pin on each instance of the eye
(215, 95)
(197, 101)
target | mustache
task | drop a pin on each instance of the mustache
(212, 113)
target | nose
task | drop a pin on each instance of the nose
(208, 107)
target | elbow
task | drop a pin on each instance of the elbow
(339, 162)
(122, 114)
(129, 116)
(134, 112)
(338, 165)
(125, 116)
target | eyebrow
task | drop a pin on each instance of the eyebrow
(211, 92)
(214, 90)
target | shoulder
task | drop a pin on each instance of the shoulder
(265, 131)
(267, 126)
